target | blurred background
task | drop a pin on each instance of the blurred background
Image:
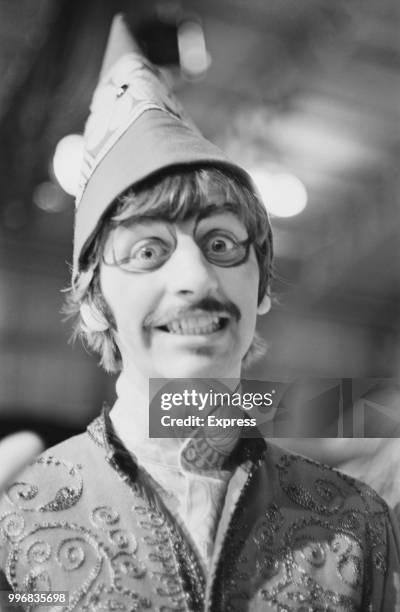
(305, 95)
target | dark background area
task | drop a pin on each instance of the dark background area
(312, 86)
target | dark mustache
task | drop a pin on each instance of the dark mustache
(206, 304)
(210, 304)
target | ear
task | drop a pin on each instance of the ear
(264, 306)
(94, 320)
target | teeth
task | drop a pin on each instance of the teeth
(195, 325)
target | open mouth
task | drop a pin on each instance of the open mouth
(195, 326)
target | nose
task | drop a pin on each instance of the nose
(189, 273)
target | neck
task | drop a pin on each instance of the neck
(130, 416)
(132, 379)
(130, 413)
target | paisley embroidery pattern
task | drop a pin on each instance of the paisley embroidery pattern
(12, 525)
(39, 552)
(26, 495)
(103, 516)
(312, 549)
(100, 562)
(310, 539)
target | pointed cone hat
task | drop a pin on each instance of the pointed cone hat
(136, 128)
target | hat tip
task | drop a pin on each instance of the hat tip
(120, 42)
(119, 18)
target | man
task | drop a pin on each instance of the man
(172, 263)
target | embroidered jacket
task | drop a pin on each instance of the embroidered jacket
(293, 535)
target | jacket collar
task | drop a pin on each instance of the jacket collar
(102, 433)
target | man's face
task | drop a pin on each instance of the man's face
(183, 306)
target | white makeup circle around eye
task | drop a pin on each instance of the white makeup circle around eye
(230, 252)
(143, 252)
(148, 253)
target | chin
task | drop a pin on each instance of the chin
(199, 367)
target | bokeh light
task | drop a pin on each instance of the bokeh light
(48, 197)
(67, 162)
(283, 193)
(193, 55)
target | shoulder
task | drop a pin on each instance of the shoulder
(293, 466)
(309, 482)
(83, 446)
(317, 503)
(54, 481)
(68, 515)
(321, 535)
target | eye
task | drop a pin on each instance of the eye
(147, 254)
(225, 250)
(220, 244)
